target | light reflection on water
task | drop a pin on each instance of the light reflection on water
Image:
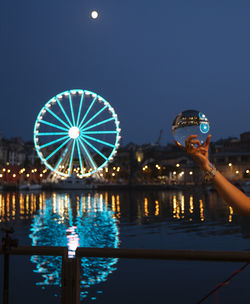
(179, 205)
(94, 220)
(84, 221)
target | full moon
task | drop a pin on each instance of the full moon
(94, 14)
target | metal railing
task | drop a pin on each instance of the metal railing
(70, 289)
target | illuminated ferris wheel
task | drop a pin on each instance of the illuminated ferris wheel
(76, 133)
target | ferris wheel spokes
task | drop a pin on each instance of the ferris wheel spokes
(53, 142)
(101, 132)
(64, 113)
(52, 133)
(71, 158)
(57, 149)
(57, 117)
(94, 148)
(89, 108)
(79, 156)
(80, 108)
(75, 134)
(62, 157)
(94, 116)
(87, 153)
(72, 110)
(52, 125)
(98, 140)
(98, 124)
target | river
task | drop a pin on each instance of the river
(125, 219)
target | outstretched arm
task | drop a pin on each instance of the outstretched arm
(230, 194)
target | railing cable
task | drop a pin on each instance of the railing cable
(226, 282)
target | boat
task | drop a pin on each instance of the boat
(72, 183)
(33, 187)
(23, 187)
(29, 187)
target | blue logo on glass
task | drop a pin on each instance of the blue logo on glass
(201, 115)
(204, 127)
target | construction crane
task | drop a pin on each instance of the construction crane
(158, 142)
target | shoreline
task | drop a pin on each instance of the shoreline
(101, 187)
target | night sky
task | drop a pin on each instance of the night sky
(149, 59)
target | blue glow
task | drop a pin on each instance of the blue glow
(54, 133)
(80, 108)
(53, 142)
(94, 148)
(72, 110)
(71, 157)
(100, 132)
(98, 140)
(79, 154)
(59, 148)
(52, 125)
(86, 151)
(204, 127)
(83, 155)
(61, 159)
(57, 117)
(201, 115)
(98, 124)
(94, 116)
(93, 226)
(58, 163)
(89, 108)
(64, 113)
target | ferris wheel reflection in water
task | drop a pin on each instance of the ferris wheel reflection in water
(90, 223)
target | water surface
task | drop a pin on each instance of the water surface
(158, 220)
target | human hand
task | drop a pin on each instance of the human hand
(197, 151)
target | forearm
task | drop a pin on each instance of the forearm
(232, 195)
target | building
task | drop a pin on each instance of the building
(232, 157)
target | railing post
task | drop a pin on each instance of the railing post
(64, 279)
(7, 244)
(6, 279)
(70, 280)
(77, 279)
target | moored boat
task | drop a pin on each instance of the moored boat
(72, 183)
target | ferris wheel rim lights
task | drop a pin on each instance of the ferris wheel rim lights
(76, 130)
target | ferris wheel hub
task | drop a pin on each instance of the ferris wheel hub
(74, 132)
